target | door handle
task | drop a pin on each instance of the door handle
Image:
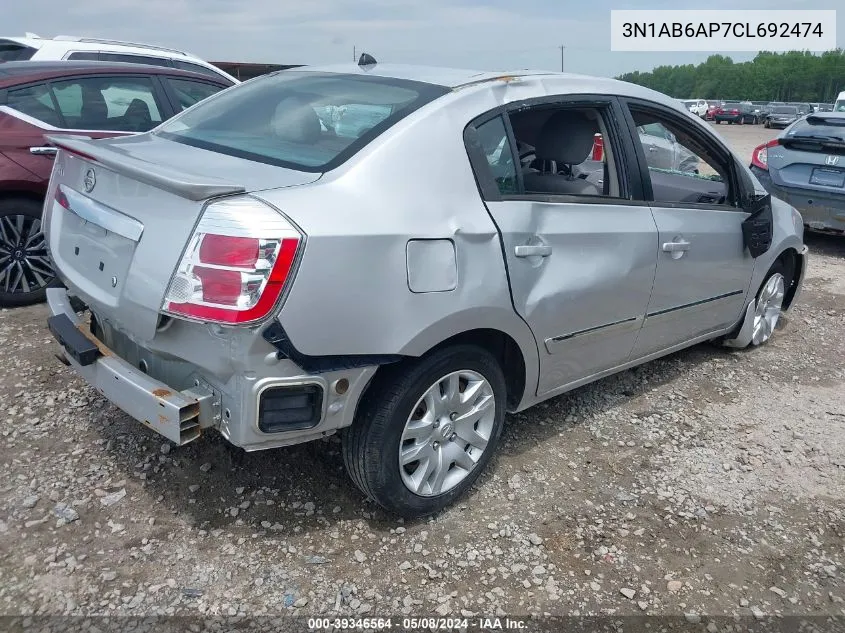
(652, 148)
(45, 150)
(676, 247)
(531, 250)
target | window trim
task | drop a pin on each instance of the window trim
(169, 93)
(623, 147)
(704, 137)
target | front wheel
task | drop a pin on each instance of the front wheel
(25, 268)
(426, 430)
(768, 305)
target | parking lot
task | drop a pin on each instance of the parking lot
(709, 482)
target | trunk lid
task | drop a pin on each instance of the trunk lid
(119, 213)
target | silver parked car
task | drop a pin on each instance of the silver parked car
(261, 267)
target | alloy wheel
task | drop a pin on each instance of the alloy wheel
(768, 309)
(447, 433)
(24, 263)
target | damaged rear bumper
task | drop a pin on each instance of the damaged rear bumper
(177, 415)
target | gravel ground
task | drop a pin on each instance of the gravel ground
(709, 482)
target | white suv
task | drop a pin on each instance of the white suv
(36, 48)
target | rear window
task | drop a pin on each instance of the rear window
(307, 121)
(14, 52)
(784, 110)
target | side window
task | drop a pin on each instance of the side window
(196, 68)
(84, 55)
(36, 102)
(681, 167)
(135, 59)
(566, 150)
(189, 92)
(108, 103)
(493, 139)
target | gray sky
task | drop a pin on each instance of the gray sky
(488, 35)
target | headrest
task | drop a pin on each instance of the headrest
(567, 137)
(294, 120)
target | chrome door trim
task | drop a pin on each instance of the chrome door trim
(558, 343)
(101, 215)
(695, 303)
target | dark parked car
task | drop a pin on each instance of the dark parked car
(782, 116)
(89, 99)
(735, 112)
(803, 108)
(805, 166)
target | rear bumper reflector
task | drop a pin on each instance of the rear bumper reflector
(290, 408)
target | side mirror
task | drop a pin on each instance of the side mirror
(758, 228)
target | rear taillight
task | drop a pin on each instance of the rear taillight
(760, 155)
(237, 263)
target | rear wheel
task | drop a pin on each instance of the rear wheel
(25, 268)
(425, 431)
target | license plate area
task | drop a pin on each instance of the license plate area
(99, 257)
(827, 177)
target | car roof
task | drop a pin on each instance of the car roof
(13, 73)
(460, 79)
(456, 78)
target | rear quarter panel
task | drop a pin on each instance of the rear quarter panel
(351, 293)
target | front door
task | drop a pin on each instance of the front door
(703, 267)
(580, 257)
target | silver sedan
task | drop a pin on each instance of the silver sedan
(404, 254)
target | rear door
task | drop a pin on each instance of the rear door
(703, 267)
(580, 264)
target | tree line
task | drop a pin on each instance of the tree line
(792, 76)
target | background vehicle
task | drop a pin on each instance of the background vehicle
(803, 108)
(839, 106)
(90, 99)
(712, 106)
(805, 166)
(735, 112)
(781, 116)
(67, 47)
(506, 282)
(825, 107)
(662, 150)
(698, 107)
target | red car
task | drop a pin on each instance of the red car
(91, 99)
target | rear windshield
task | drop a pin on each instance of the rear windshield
(14, 52)
(307, 121)
(784, 110)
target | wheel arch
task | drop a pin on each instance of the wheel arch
(519, 368)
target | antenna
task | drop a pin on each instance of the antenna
(367, 61)
(562, 48)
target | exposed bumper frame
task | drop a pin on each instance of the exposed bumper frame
(177, 415)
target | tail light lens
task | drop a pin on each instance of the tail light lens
(237, 263)
(760, 155)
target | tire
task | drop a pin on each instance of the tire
(371, 445)
(25, 274)
(768, 305)
(741, 120)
